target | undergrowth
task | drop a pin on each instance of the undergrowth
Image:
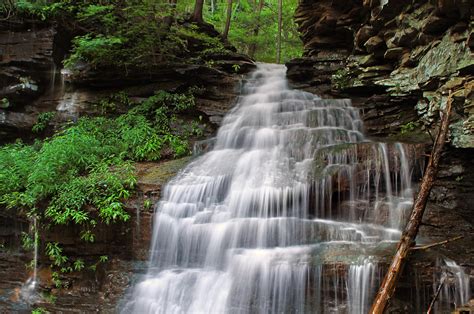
(83, 173)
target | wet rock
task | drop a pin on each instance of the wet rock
(434, 24)
(363, 34)
(26, 62)
(403, 38)
(375, 44)
(394, 53)
(470, 40)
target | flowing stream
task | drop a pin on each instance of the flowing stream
(288, 213)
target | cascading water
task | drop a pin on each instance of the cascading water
(29, 291)
(455, 286)
(282, 216)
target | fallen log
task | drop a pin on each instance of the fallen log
(407, 241)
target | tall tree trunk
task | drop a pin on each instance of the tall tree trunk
(407, 241)
(213, 6)
(280, 9)
(253, 46)
(197, 14)
(227, 20)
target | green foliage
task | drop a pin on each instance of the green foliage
(79, 265)
(409, 127)
(83, 173)
(39, 310)
(140, 33)
(54, 251)
(4, 103)
(55, 277)
(27, 242)
(147, 204)
(43, 121)
(341, 79)
(254, 31)
(236, 68)
(42, 9)
(49, 297)
(95, 50)
(16, 160)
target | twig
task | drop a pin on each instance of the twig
(424, 247)
(429, 225)
(435, 297)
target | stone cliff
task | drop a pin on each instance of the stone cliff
(398, 60)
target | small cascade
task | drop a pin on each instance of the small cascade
(287, 213)
(29, 290)
(362, 284)
(455, 286)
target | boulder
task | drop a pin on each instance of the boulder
(434, 24)
(363, 34)
(375, 44)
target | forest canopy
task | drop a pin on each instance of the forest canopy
(127, 32)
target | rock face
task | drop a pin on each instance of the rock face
(26, 64)
(397, 60)
(400, 53)
(31, 55)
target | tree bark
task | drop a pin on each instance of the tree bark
(407, 241)
(227, 20)
(280, 9)
(197, 14)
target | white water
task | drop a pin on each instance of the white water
(259, 223)
(455, 290)
(28, 291)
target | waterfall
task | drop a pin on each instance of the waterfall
(283, 215)
(28, 291)
(455, 286)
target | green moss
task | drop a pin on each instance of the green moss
(161, 173)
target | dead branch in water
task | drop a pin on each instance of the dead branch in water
(435, 297)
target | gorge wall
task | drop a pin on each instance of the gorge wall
(398, 61)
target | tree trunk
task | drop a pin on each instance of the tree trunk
(253, 46)
(197, 14)
(227, 20)
(213, 6)
(407, 241)
(280, 9)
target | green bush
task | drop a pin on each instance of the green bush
(82, 174)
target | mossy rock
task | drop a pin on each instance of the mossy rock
(152, 176)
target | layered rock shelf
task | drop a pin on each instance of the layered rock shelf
(398, 62)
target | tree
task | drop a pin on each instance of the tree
(280, 10)
(227, 20)
(253, 45)
(197, 14)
